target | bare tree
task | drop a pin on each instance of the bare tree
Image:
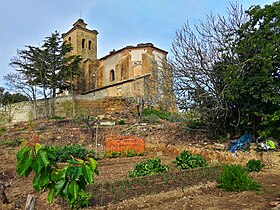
(200, 55)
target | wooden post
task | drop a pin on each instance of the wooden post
(30, 202)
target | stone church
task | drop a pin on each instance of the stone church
(139, 71)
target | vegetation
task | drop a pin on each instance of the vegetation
(254, 165)
(68, 181)
(235, 178)
(66, 153)
(148, 167)
(127, 153)
(227, 69)
(7, 98)
(187, 161)
(154, 116)
(44, 71)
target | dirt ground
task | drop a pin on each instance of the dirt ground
(203, 196)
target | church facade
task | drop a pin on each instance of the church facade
(139, 71)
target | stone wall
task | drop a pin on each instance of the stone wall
(86, 104)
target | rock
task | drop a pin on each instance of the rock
(276, 207)
(159, 153)
(274, 203)
(219, 146)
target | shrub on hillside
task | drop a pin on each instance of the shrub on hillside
(235, 178)
(254, 165)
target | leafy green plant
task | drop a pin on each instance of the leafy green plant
(131, 153)
(148, 167)
(115, 154)
(126, 153)
(68, 180)
(82, 200)
(186, 161)
(235, 178)
(67, 152)
(254, 165)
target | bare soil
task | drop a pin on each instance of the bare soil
(202, 196)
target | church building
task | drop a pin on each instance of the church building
(139, 71)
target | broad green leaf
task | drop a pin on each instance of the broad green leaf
(51, 195)
(93, 163)
(88, 173)
(59, 186)
(43, 154)
(65, 191)
(73, 188)
(23, 166)
(44, 179)
(36, 183)
(22, 153)
(37, 147)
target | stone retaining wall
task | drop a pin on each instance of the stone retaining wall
(24, 111)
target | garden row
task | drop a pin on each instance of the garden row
(114, 192)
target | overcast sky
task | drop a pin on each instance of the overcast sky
(119, 22)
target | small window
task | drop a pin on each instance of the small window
(83, 43)
(69, 38)
(89, 45)
(112, 75)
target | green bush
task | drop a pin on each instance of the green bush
(254, 165)
(148, 167)
(235, 178)
(186, 161)
(66, 153)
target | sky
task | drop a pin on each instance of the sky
(119, 22)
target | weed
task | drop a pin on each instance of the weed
(235, 178)
(254, 165)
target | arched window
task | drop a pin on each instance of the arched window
(112, 75)
(89, 45)
(69, 38)
(83, 43)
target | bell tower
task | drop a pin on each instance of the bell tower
(83, 40)
(84, 43)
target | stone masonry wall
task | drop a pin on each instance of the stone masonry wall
(85, 104)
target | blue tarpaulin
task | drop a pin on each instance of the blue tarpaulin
(242, 143)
